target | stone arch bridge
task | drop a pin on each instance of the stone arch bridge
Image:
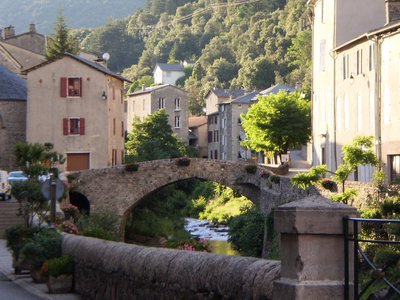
(118, 190)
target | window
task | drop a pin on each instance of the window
(161, 103)
(122, 96)
(113, 92)
(222, 107)
(126, 106)
(177, 122)
(371, 57)
(223, 123)
(122, 128)
(359, 62)
(215, 119)
(122, 156)
(223, 140)
(211, 154)
(346, 66)
(394, 161)
(74, 126)
(113, 126)
(215, 154)
(210, 136)
(216, 136)
(71, 87)
(177, 104)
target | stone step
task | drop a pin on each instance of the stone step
(8, 216)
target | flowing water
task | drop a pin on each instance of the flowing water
(216, 235)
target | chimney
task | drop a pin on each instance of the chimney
(32, 28)
(9, 32)
(392, 8)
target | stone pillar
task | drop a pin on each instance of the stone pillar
(312, 249)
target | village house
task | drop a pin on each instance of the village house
(168, 73)
(146, 101)
(13, 96)
(355, 82)
(31, 40)
(198, 135)
(78, 106)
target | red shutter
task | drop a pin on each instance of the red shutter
(65, 126)
(81, 86)
(113, 92)
(122, 96)
(63, 87)
(122, 128)
(82, 126)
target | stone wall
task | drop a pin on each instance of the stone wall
(12, 130)
(110, 270)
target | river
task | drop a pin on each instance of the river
(216, 235)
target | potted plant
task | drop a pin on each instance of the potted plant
(44, 245)
(183, 161)
(71, 212)
(59, 274)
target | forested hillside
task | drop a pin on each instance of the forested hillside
(79, 13)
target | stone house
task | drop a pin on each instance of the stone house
(79, 107)
(146, 101)
(168, 73)
(198, 135)
(13, 94)
(363, 85)
(31, 40)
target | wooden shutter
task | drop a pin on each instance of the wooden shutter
(65, 126)
(82, 126)
(113, 92)
(63, 87)
(81, 86)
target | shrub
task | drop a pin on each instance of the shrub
(58, 266)
(251, 169)
(265, 174)
(44, 245)
(69, 227)
(329, 185)
(275, 179)
(17, 236)
(102, 225)
(71, 211)
(131, 167)
(190, 245)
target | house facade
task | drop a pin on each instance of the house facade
(13, 94)
(174, 100)
(334, 23)
(78, 106)
(30, 40)
(168, 73)
(363, 92)
(198, 135)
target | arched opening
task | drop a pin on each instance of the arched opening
(80, 201)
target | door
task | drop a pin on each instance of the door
(78, 161)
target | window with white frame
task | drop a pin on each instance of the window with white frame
(359, 61)
(371, 57)
(177, 121)
(177, 104)
(161, 103)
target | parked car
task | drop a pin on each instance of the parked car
(5, 188)
(15, 176)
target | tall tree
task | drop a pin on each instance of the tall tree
(61, 41)
(277, 122)
(154, 139)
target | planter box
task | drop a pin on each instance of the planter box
(61, 284)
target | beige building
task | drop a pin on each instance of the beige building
(78, 106)
(363, 100)
(335, 22)
(198, 135)
(174, 100)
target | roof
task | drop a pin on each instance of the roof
(277, 88)
(197, 121)
(247, 99)
(227, 93)
(171, 67)
(12, 87)
(89, 63)
(24, 58)
(150, 89)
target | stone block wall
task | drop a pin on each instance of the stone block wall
(110, 270)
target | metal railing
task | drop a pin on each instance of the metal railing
(361, 260)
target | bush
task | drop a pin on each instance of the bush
(246, 233)
(58, 266)
(251, 169)
(275, 179)
(44, 245)
(329, 185)
(131, 167)
(183, 161)
(103, 225)
(17, 236)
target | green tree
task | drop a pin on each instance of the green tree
(61, 41)
(277, 122)
(154, 139)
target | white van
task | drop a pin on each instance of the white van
(5, 188)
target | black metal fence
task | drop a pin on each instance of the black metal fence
(374, 246)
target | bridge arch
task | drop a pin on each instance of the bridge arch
(115, 189)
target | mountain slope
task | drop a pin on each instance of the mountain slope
(78, 13)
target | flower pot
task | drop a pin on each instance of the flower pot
(61, 284)
(37, 276)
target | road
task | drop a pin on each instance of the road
(11, 291)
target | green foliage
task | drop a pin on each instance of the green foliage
(329, 184)
(44, 245)
(154, 139)
(314, 175)
(275, 179)
(131, 167)
(17, 236)
(61, 41)
(346, 197)
(58, 266)
(246, 232)
(277, 122)
(145, 81)
(102, 225)
(252, 169)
